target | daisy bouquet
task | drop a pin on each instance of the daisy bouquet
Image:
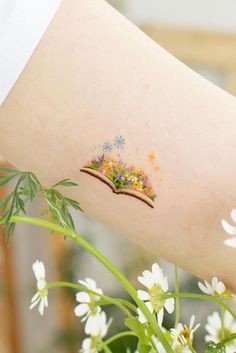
(148, 304)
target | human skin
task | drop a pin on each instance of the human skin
(94, 76)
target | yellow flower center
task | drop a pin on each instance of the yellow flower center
(42, 293)
(227, 332)
(94, 345)
(156, 297)
(93, 305)
(186, 333)
(225, 294)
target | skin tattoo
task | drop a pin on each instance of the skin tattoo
(109, 167)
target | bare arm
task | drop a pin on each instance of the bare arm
(95, 76)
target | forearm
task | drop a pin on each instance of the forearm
(95, 76)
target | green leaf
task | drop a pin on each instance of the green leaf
(9, 170)
(134, 325)
(20, 204)
(73, 203)
(7, 216)
(26, 189)
(70, 219)
(57, 214)
(4, 180)
(65, 182)
(144, 348)
(32, 188)
(4, 201)
(9, 229)
(4, 218)
(212, 347)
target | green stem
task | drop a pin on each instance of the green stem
(202, 297)
(105, 348)
(83, 288)
(222, 314)
(226, 339)
(125, 303)
(177, 298)
(112, 301)
(69, 233)
(192, 349)
(120, 335)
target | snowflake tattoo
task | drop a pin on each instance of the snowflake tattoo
(107, 147)
(119, 141)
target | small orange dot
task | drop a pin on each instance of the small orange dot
(151, 156)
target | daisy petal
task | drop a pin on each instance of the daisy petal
(91, 284)
(41, 284)
(156, 270)
(141, 317)
(150, 307)
(228, 228)
(210, 329)
(35, 297)
(214, 282)
(196, 327)
(81, 309)
(203, 288)
(233, 215)
(86, 344)
(83, 297)
(34, 304)
(169, 305)
(92, 326)
(145, 282)
(192, 321)
(208, 287)
(165, 284)
(143, 295)
(160, 315)
(147, 274)
(41, 307)
(220, 287)
(230, 242)
(46, 301)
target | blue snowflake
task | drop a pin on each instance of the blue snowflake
(119, 141)
(107, 147)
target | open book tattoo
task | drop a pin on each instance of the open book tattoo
(120, 177)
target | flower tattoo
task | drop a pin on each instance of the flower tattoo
(119, 142)
(107, 147)
(122, 178)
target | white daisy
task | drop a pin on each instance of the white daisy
(183, 335)
(231, 230)
(41, 295)
(213, 328)
(157, 285)
(92, 344)
(88, 308)
(216, 288)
